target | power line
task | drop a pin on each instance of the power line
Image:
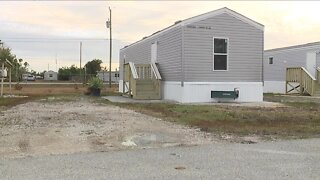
(82, 39)
(53, 40)
(50, 5)
(30, 41)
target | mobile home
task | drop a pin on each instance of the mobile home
(50, 76)
(276, 61)
(200, 59)
(104, 76)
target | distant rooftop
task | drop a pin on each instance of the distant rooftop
(295, 46)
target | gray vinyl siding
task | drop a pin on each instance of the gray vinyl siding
(245, 51)
(168, 54)
(318, 59)
(283, 59)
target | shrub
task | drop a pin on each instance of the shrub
(95, 83)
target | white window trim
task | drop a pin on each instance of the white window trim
(220, 53)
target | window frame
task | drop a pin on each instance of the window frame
(226, 54)
(271, 58)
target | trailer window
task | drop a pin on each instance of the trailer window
(220, 54)
(270, 60)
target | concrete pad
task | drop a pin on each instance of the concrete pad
(122, 99)
(249, 104)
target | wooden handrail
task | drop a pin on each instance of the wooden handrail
(155, 70)
(137, 73)
(133, 70)
(147, 71)
(318, 75)
(143, 71)
(307, 82)
(303, 77)
(293, 74)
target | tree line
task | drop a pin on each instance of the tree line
(19, 65)
(90, 69)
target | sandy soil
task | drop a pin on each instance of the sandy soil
(61, 127)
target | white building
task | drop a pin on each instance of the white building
(50, 76)
(276, 61)
(104, 76)
(199, 58)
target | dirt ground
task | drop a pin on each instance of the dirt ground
(57, 126)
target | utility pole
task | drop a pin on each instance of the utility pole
(80, 59)
(2, 71)
(110, 27)
(2, 78)
(56, 62)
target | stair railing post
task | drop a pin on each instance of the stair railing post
(287, 70)
(301, 84)
(312, 85)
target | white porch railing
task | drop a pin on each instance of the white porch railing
(155, 71)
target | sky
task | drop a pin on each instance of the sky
(47, 34)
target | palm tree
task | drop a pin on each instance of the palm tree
(26, 64)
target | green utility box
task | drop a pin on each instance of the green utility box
(225, 94)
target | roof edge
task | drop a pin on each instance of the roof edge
(221, 11)
(202, 17)
(299, 46)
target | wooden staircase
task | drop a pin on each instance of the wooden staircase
(146, 89)
(317, 90)
(142, 81)
(300, 80)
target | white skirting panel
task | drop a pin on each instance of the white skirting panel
(172, 90)
(277, 87)
(201, 91)
(274, 87)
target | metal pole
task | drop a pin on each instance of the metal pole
(103, 75)
(17, 79)
(80, 59)
(1, 94)
(110, 49)
(85, 74)
(10, 81)
(123, 76)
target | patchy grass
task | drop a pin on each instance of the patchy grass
(10, 102)
(50, 92)
(297, 120)
(290, 98)
(55, 89)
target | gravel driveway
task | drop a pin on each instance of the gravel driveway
(295, 159)
(52, 126)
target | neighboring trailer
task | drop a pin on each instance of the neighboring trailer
(276, 61)
(217, 51)
(50, 76)
(104, 76)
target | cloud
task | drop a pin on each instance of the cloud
(286, 23)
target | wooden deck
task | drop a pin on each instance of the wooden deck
(300, 80)
(142, 81)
